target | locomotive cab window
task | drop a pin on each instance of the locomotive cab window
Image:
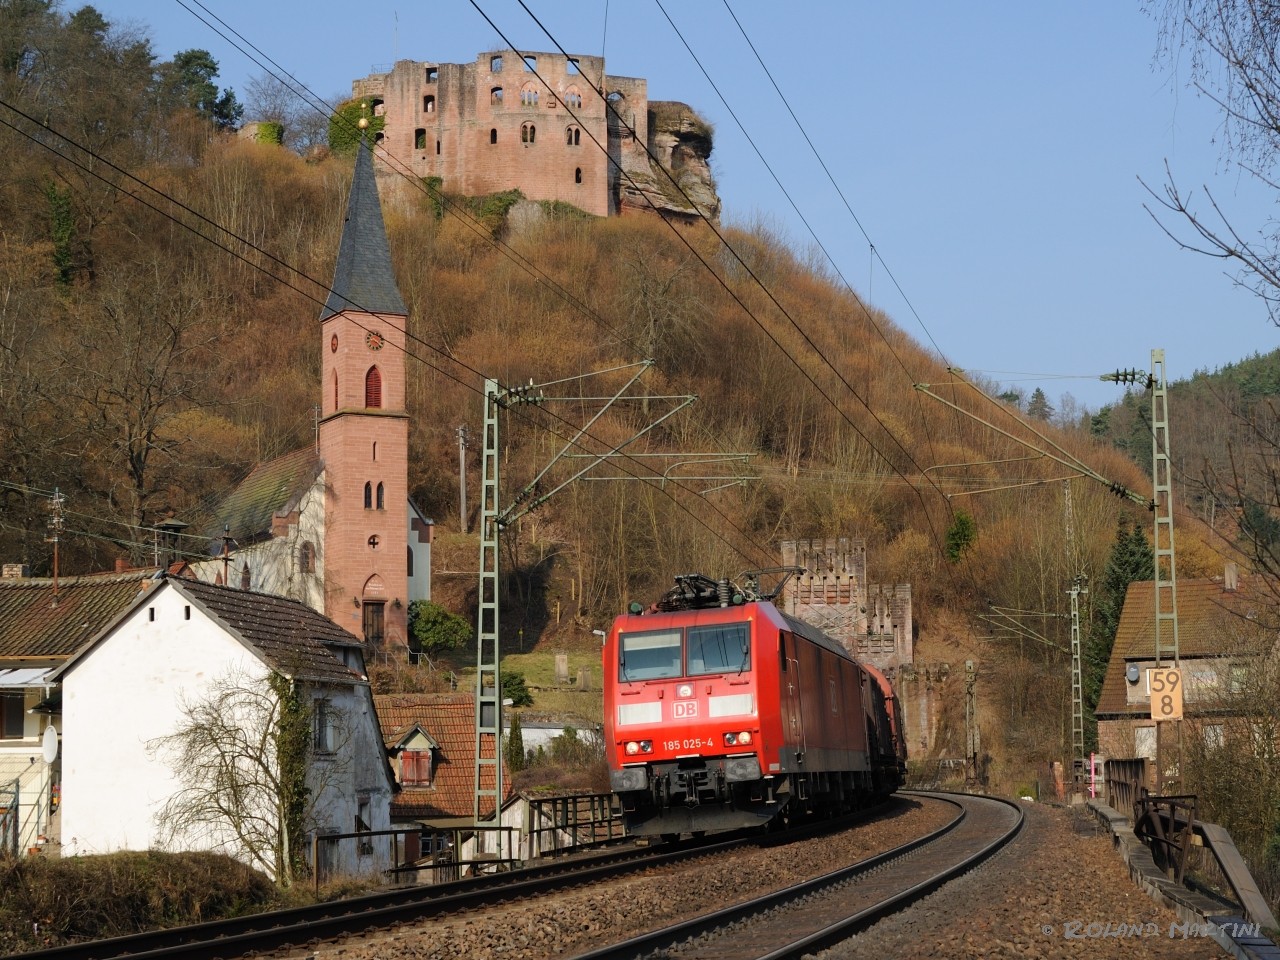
(649, 656)
(720, 648)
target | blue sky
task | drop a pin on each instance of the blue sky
(991, 151)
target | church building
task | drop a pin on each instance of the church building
(331, 525)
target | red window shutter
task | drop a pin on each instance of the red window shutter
(415, 768)
(373, 388)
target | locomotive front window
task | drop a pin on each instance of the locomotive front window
(723, 648)
(649, 656)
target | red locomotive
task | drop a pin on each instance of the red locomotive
(722, 712)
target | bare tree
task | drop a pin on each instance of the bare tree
(243, 755)
(1232, 50)
(284, 101)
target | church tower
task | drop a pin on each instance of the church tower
(364, 428)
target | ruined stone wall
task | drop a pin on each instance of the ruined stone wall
(493, 125)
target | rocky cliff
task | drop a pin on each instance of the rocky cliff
(681, 142)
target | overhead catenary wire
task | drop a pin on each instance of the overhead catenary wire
(323, 288)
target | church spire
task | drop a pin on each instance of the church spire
(363, 280)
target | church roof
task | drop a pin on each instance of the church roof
(362, 279)
(273, 487)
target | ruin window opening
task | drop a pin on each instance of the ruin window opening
(528, 133)
(437, 148)
(529, 95)
(573, 98)
(577, 175)
(493, 135)
(495, 64)
(377, 137)
(428, 104)
(573, 136)
(433, 74)
(495, 96)
(378, 107)
(420, 139)
(572, 68)
(530, 64)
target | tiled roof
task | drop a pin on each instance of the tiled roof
(291, 637)
(273, 487)
(32, 627)
(1205, 609)
(450, 719)
(362, 279)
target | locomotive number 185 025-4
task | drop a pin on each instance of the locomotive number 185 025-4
(694, 744)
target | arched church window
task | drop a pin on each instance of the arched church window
(373, 388)
(368, 496)
(307, 557)
(244, 576)
(335, 390)
(381, 497)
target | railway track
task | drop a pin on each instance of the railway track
(792, 923)
(302, 926)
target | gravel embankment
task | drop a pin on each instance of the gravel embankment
(576, 921)
(1053, 894)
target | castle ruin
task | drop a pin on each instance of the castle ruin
(495, 124)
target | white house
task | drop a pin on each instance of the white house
(174, 647)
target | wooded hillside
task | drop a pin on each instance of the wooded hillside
(160, 288)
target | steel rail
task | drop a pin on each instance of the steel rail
(712, 923)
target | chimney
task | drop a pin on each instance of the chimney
(15, 571)
(1230, 577)
(122, 564)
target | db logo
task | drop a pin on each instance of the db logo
(684, 709)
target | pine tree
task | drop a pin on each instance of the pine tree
(1038, 407)
(1131, 560)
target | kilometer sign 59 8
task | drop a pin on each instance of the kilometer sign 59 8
(1166, 693)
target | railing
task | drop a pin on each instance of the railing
(418, 850)
(1126, 781)
(1166, 825)
(557, 824)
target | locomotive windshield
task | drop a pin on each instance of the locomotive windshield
(660, 654)
(649, 656)
(722, 648)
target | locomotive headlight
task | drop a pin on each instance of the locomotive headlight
(730, 739)
(742, 738)
(633, 748)
(684, 690)
(646, 746)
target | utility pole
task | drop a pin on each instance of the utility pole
(1165, 707)
(55, 525)
(1077, 687)
(462, 478)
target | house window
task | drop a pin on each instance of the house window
(420, 139)
(433, 74)
(530, 64)
(577, 174)
(428, 104)
(415, 768)
(493, 135)
(373, 388)
(12, 715)
(410, 564)
(374, 622)
(1212, 736)
(151, 614)
(307, 557)
(495, 64)
(495, 96)
(528, 132)
(186, 612)
(528, 95)
(363, 817)
(244, 576)
(381, 502)
(322, 718)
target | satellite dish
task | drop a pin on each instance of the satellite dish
(49, 744)
(1132, 673)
